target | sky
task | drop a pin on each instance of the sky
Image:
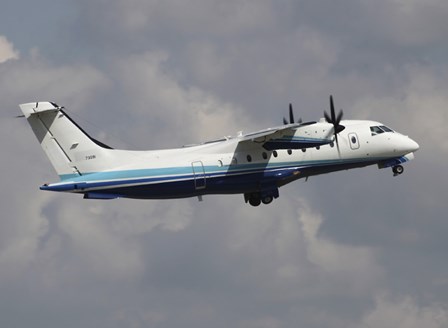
(358, 248)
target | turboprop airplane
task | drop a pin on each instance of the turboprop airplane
(255, 164)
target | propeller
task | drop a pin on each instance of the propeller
(335, 120)
(291, 117)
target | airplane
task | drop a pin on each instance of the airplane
(256, 164)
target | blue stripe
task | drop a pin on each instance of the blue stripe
(165, 175)
(393, 161)
(238, 181)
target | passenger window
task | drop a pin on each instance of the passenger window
(289, 151)
(275, 153)
(249, 158)
(265, 156)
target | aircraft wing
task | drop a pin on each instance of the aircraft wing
(270, 133)
(287, 136)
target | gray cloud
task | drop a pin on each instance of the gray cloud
(352, 249)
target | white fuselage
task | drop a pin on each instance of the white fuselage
(254, 164)
(230, 166)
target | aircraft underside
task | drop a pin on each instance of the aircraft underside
(258, 187)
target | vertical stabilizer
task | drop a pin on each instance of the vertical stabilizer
(71, 151)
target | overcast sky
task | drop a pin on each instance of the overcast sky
(352, 249)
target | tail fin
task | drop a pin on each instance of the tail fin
(71, 151)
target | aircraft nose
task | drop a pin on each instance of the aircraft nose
(408, 145)
(413, 146)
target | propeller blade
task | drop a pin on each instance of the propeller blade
(335, 120)
(291, 114)
(338, 119)
(337, 144)
(333, 116)
(291, 117)
(332, 109)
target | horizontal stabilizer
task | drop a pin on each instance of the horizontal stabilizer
(38, 107)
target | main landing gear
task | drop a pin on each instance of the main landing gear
(256, 198)
(397, 170)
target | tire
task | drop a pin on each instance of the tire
(398, 169)
(255, 200)
(267, 199)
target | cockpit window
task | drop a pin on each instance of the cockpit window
(379, 129)
(375, 130)
(386, 129)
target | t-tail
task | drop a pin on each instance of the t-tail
(71, 151)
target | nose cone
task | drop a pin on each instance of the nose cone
(404, 145)
(412, 145)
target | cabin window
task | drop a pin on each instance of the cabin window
(249, 158)
(265, 156)
(303, 149)
(353, 139)
(317, 147)
(275, 153)
(289, 151)
(332, 144)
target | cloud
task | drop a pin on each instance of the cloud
(23, 227)
(412, 23)
(420, 94)
(7, 51)
(162, 74)
(333, 258)
(34, 79)
(188, 114)
(192, 19)
(404, 312)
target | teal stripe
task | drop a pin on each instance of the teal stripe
(187, 170)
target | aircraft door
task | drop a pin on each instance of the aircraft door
(353, 140)
(199, 175)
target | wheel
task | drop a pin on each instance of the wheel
(255, 200)
(267, 199)
(398, 169)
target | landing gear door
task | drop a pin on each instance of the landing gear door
(353, 140)
(199, 175)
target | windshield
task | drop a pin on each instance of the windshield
(379, 129)
(386, 129)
